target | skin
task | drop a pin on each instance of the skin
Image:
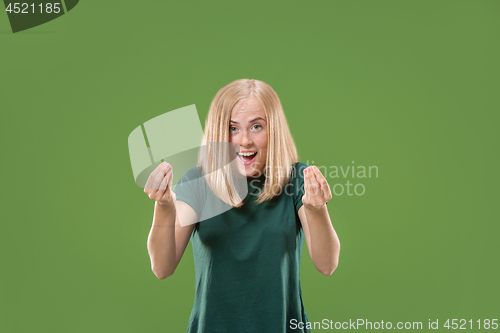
(167, 239)
(248, 130)
(322, 241)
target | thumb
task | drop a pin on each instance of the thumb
(170, 178)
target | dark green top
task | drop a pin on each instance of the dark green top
(247, 259)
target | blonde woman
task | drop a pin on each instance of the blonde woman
(247, 259)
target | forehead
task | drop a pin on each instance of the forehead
(248, 109)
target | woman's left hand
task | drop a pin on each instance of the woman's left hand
(316, 188)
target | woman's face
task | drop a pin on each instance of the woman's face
(248, 130)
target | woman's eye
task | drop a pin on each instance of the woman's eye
(232, 128)
(257, 126)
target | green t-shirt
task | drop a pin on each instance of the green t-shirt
(247, 259)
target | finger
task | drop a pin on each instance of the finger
(315, 185)
(152, 176)
(317, 174)
(167, 194)
(170, 178)
(167, 184)
(164, 182)
(163, 186)
(325, 188)
(313, 175)
(167, 166)
(155, 185)
(320, 179)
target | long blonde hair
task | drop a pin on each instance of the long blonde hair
(281, 150)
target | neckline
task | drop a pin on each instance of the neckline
(251, 178)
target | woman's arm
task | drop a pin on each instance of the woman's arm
(167, 239)
(322, 241)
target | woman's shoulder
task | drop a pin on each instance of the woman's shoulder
(298, 170)
(191, 180)
(192, 173)
(300, 165)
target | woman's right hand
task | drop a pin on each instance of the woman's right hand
(159, 184)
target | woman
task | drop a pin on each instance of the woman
(247, 259)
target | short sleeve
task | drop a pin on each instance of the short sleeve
(191, 189)
(298, 184)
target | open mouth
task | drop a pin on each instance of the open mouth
(247, 158)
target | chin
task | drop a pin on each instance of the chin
(248, 171)
(251, 173)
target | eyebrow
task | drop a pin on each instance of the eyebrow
(251, 121)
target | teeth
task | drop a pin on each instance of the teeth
(246, 154)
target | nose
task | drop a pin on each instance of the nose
(245, 140)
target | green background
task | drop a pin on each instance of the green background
(410, 87)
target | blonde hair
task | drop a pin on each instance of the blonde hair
(281, 150)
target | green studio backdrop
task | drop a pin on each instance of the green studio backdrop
(408, 87)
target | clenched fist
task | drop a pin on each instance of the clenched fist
(159, 184)
(316, 188)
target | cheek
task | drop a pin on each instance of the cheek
(231, 137)
(261, 141)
